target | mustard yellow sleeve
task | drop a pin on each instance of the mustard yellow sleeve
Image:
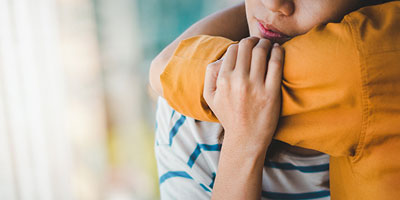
(322, 93)
(183, 77)
(321, 89)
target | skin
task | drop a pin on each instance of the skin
(248, 132)
(243, 89)
(295, 17)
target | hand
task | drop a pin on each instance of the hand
(243, 91)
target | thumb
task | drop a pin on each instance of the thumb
(210, 80)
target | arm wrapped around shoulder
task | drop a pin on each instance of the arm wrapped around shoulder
(322, 102)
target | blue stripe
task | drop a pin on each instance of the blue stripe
(204, 187)
(213, 180)
(304, 169)
(172, 174)
(175, 128)
(194, 156)
(181, 174)
(308, 195)
(172, 115)
(197, 151)
(211, 147)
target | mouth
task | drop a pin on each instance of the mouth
(271, 33)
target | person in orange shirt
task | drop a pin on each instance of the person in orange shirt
(340, 94)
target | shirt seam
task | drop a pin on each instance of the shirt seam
(365, 107)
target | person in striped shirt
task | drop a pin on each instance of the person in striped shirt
(233, 183)
(188, 153)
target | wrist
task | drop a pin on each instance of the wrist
(247, 159)
(245, 145)
(240, 171)
(248, 141)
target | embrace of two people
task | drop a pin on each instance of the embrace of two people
(282, 99)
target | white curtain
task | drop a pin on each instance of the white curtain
(34, 158)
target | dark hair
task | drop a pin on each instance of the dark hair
(374, 2)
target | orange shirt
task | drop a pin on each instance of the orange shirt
(341, 96)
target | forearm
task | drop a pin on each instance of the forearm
(240, 170)
(230, 23)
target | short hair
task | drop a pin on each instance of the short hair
(374, 2)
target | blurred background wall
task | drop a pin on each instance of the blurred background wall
(76, 111)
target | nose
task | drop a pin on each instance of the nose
(285, 7)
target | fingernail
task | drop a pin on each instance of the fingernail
(276, 45)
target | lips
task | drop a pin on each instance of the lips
(271, 33)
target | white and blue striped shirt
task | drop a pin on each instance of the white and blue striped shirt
(187, 153)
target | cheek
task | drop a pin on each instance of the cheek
(310, 13)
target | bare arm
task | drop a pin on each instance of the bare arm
(230, 23)
(245, 95)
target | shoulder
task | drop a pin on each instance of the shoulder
(376, 28)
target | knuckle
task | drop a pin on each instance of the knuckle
(242, 87)
(213, 65)
(211, 69)
(244, 42)
(248, 42)
(253, 38)
(222, 82)
(232, 47)
(266, 42)
(243, 90)
(268, 99)
(264, 45)
(260, 49)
